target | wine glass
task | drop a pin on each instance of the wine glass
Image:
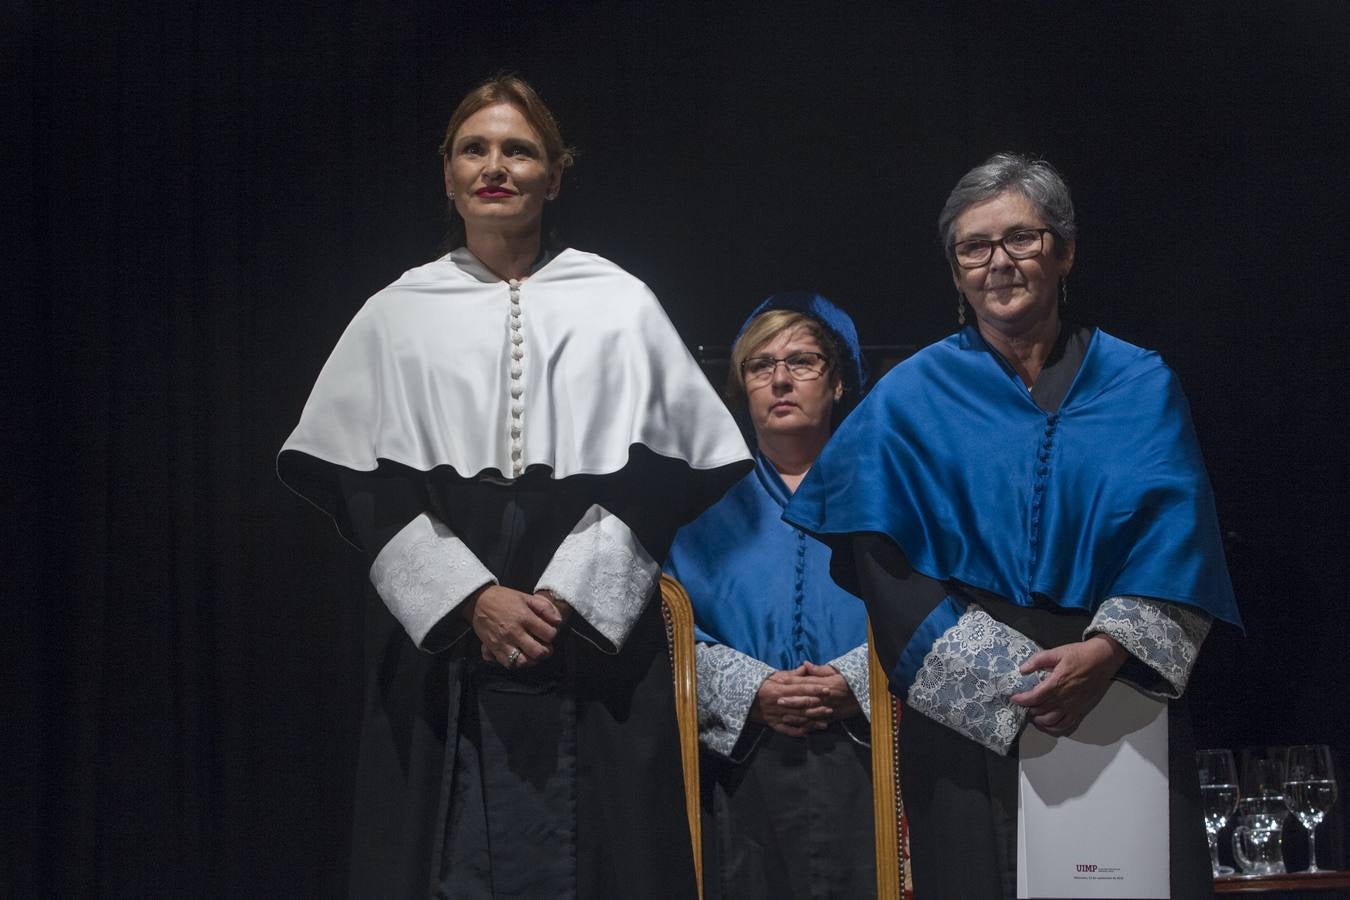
(1219, 797)
(1263, 778)
(1311, 787)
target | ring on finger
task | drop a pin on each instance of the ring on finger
(512, 657)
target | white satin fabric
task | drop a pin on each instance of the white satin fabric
(423, 377)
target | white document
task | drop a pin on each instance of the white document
(1092, 814)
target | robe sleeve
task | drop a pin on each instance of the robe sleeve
(603, 572)
(950, 661)
(853, 666)
(1163, 640)
(420, 568)
(968, 675)
(728, 681)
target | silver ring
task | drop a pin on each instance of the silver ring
(512, 657)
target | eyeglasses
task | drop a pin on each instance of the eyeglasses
(1022, 244)
(804, 365)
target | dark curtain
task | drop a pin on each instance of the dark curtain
(203, 194)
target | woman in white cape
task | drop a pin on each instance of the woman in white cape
(512, 435)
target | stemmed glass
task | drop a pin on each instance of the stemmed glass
(1311, 788)
(1219, 797)
(1262, 772)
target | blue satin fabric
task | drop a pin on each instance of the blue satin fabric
(951, 458)
(761, 586)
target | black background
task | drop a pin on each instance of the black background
(204, 193)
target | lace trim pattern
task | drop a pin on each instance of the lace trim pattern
(1164, 636)
(604, 573)
(969, 674)
(853, 665)
(424, 572)
(728, 681)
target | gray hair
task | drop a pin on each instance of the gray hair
(1033, 178)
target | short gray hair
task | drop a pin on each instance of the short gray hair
(1033, 178)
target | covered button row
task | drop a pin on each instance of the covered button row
(1047, 443)
(517, 370)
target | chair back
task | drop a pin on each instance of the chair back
(888, 807)
(679, 617)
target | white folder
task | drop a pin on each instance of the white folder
(1092, 810)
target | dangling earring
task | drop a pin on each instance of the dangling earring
(960, 307)
(550, 196)
(1063, 292)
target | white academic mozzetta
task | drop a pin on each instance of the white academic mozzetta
(450, 366)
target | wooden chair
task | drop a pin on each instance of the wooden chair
(888, 808)
(679, 618)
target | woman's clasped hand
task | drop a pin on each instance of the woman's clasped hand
(507, 621)
(805, 699)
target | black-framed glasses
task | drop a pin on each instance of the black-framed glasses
(1021, 244)
(804, 365)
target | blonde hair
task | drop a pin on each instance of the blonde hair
(764, 328)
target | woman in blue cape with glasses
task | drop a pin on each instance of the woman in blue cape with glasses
(782, 653)
(1028, 518)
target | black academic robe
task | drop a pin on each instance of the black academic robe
(791, 819)
(504, 410)
(563, 780)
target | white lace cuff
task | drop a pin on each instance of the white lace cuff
(424, 573)
(969, 674)
(1164, 636)
(728, 681)
(606, 576)
(853, 666)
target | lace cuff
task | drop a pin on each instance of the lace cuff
(853, 666)
(969, 674)
(423, 573)
(606, 576)
(728, 681)
(1164, 636)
